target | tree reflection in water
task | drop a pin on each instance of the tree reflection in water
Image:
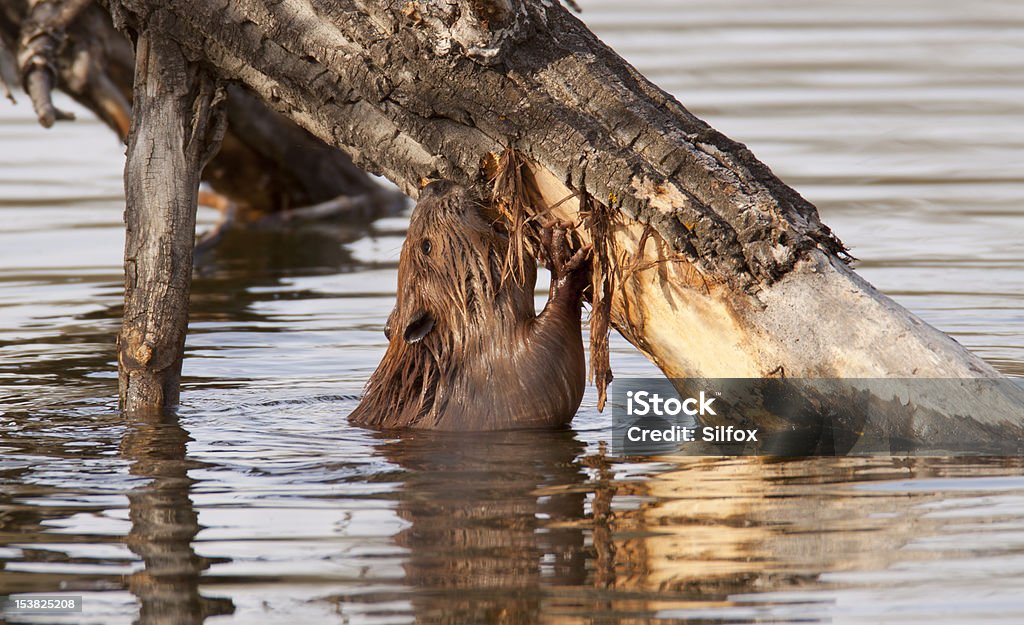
(164, 524)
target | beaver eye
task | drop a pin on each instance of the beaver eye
(425, 246)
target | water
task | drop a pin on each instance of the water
(901, 120)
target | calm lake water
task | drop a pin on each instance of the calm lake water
(902, 120)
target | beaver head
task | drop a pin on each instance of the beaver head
(449, 273)
(453, 311)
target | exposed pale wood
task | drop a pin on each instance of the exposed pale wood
(820, 320)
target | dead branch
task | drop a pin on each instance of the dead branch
(42, 36)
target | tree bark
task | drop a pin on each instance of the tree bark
(168, 145)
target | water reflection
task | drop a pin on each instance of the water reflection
(494, 519)
(253, 266)
(739, 540)
(258, 255)
(164, 523)
(543, 528)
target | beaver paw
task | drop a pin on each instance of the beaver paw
(568, 268)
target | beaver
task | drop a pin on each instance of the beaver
(466, 349)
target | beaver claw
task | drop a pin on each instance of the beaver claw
(567, 268)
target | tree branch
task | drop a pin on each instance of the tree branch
(42, 35)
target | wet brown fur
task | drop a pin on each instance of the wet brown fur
(487, 361)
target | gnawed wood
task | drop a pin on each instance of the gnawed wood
(821, 320)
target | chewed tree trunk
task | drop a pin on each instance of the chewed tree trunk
(714, 267)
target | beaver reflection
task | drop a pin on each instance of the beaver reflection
(494, 521)
(466, 350)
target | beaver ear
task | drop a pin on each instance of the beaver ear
(420, 326)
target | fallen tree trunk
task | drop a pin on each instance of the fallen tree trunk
(706, 261)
